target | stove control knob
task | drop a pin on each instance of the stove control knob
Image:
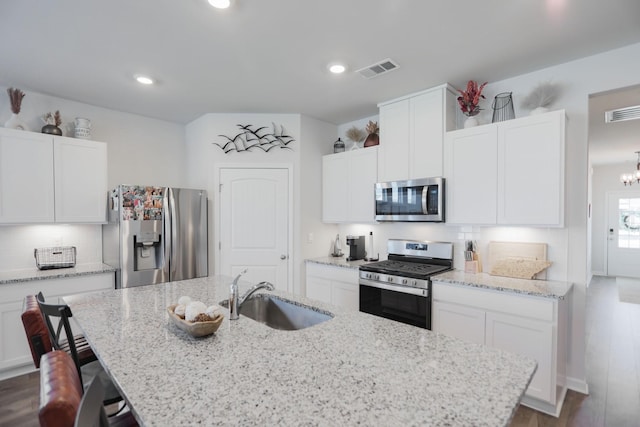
(414, 282)
(377, 277)
(368, 276)
(389, 279)
(404, 281)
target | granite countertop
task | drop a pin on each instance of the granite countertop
(539, 288)
(353, 369)
(339, 262)
(29, 274)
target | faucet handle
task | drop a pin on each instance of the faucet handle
(267, 285)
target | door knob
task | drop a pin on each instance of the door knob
(283, 256)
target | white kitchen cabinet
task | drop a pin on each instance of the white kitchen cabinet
(80, 180)
(530, 337)
(333, 285)
(47, 179)
(509, 172)
(458, 321)
(519, 323)
(471, 176)
(26, 177)
(411, 133)
(348, 181)
(15, 356)
(531, 170)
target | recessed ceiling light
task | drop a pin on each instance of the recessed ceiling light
(145, 80)
(337, 68)
(220, 4)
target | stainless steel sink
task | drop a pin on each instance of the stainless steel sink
(278, 313)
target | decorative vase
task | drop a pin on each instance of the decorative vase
(470, 122)
(52, 130)
(14, 122)
(372, 139)
(539, 110)
(338, 146)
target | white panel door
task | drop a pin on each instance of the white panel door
(623, 244)
(254, 224)
(26, 177)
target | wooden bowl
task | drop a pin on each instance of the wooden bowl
(195, 329)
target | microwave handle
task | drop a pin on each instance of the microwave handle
(425, 191)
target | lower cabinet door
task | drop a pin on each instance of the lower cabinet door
(346, 295)
(318, 288)
(528, 337)
(458, 321)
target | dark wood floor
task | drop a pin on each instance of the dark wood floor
(613, 373)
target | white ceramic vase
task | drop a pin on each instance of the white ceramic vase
(14, 122)
(470, 122)
(539, 110)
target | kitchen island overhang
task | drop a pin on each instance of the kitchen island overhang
(353, 369)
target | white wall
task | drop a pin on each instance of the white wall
(141, 150)
(315, 237)
(605, 178)
(360, 124)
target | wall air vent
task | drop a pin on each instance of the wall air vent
(621, 114)
(378, 68)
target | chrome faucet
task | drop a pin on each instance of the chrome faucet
(235, 302)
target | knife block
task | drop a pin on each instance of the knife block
(474, 266)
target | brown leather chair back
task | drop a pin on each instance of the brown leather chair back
(36, 329)
(60, 390)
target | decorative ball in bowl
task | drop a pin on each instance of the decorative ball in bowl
(202, 325)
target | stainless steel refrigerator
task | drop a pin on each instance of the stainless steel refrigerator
(155, 234)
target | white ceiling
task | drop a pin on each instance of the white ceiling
(271, 55)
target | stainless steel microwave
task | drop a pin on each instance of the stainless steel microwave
(412, 200)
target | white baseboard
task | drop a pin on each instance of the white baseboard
(579, 385)
(17, 371)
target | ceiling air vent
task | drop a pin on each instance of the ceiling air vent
(621, 114)
(378, 68)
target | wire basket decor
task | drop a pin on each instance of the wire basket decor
(55, 257)
(503, 107)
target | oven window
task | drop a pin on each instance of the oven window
(406, 308)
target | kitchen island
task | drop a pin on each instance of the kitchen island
(352, 369)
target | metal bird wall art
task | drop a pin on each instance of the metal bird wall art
(251, 137)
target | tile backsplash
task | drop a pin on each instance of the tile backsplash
(18, 242)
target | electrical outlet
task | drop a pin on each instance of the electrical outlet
(310, 238)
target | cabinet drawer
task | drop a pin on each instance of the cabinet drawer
(340, 274)
(519, 305)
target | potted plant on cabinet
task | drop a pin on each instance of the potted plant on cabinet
(469, 101)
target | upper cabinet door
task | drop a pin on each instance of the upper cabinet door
(394, 141)
(26, 177)
(427, 131)
(531, 170)
(80, 180)
(471, 173)
(363, 174)
(335, 191)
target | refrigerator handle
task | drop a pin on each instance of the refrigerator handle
(167, 220)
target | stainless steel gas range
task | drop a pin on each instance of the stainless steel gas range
(400, 288)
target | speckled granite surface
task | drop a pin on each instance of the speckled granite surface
(352, 369)
(338, 262)
(28, 275)
(540, 288)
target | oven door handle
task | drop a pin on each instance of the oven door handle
(402, 289)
